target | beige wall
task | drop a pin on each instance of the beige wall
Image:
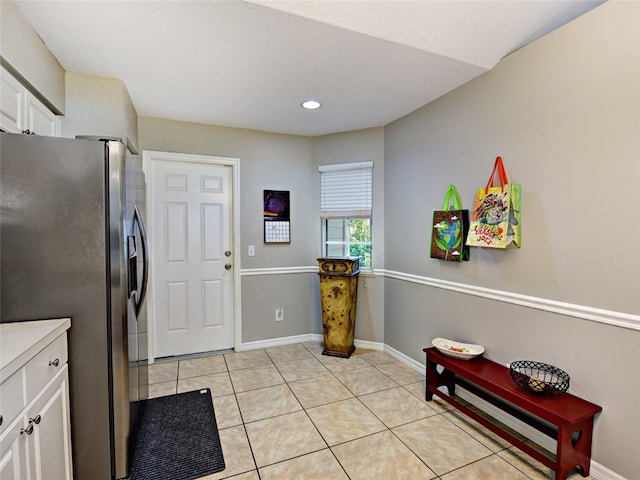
(28, 58)
(99, 106)
(90, 105)
(564, 113)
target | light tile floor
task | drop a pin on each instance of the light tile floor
(290, 413)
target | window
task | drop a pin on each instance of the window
(345, 210)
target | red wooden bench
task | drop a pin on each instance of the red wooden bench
(570, 416)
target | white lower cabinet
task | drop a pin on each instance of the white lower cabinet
(49, 445)
(13, 464)
(36, 444)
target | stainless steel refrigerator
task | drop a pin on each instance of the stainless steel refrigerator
(72, 245)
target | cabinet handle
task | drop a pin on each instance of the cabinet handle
(54, 363)
(36, 420)
(1, 419)
(28, 430)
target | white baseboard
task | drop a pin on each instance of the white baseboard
(600, 472)
(278, 342)
(310, 337)
(367, 344)
(408, 361)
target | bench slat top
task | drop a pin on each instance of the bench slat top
(496, 379)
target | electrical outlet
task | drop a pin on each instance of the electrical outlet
(279, 314)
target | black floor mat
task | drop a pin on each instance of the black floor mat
(178, 438)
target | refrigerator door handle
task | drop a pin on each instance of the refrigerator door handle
(137, 220)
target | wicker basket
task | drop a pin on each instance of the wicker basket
(539, 378)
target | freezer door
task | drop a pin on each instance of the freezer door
(56, 262)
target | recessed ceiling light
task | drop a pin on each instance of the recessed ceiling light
(310, 104)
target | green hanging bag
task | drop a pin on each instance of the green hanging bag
(450, 227)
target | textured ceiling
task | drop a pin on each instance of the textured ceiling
(249, 64)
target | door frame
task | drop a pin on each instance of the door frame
(150, 156)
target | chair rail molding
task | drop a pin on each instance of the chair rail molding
(609, 317)
(600, 315)
(252, 272)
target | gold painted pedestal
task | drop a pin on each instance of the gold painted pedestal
(338, 291)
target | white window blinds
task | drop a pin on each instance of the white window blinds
(346, 190)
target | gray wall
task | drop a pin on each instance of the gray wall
(284, 162)
(267, 161)
(357, 146)
(564, 113)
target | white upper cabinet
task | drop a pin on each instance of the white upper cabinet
(12, 95)
(39, 119)
(21, 111)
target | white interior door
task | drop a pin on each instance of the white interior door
(191, 257)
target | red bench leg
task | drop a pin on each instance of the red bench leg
(431, 379)
(436, 379)
(574, 449)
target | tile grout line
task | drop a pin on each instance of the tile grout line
(320, 433)
(445, 414)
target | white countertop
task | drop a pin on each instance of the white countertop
(19, 341)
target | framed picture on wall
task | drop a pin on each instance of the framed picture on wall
(277, 223)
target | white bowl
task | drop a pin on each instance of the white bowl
(462, 351)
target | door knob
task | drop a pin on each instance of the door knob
(227, 253)
(227, 266)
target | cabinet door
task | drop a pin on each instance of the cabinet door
(20, 110)
(13, 462)
(50, 443)
(11, 103)
(39, 119)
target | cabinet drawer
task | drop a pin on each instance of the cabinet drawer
(44, 366)
(11, 399)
